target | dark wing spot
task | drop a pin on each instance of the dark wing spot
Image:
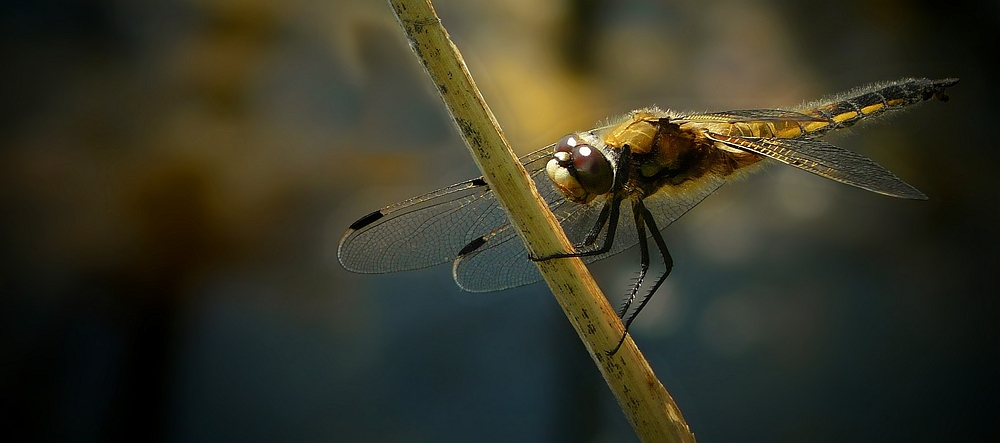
(472, 246)
(367, 220)
(479, 182)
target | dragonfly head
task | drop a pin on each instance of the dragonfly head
(579, 170)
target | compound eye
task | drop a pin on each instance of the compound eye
(567, 143)
(593, 170)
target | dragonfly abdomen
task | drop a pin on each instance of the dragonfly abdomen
(868, 101)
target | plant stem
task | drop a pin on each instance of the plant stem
(647, 405)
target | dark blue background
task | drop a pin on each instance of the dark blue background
(174, 176)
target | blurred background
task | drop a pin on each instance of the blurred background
(175, 175)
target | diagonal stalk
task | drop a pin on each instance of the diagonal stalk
(645, 402)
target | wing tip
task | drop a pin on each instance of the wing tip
(340, 253)
(345, 238)
(905, 192)
(919, 196)
(909, 192)
(469, 248)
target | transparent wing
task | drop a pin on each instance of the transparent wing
(826, 160)
(670, 203)
(503, 262)
(429, 229)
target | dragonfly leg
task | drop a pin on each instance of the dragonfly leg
(614, 209)
(640, 227)
(668, 263)
(602, 219)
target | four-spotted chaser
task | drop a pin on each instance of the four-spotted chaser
(662, 163)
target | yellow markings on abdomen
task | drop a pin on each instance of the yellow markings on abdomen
(840, 118)
(895, 102)
(872, 108)
(815, 126)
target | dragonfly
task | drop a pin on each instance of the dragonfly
(656, 163)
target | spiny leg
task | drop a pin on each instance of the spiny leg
(668, 263)
(640, 228)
